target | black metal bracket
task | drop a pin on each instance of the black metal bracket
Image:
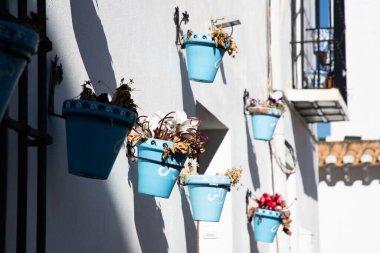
(178, 23)
(34, 133)
(245, 98)
(55, 79)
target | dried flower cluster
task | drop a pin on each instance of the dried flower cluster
(175, 127)
(276, 203)
(221, 39)
(224, 40)
(257, 106)
(190, 170)
(234, 174)
(121, 97)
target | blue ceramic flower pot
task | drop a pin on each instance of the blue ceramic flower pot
(203, 58)
(264, 124)
(266, 223)
(17, 45)
(156, 177)
(95, 133)
(207, 195)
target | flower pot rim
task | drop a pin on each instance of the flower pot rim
(20, 36)
(154, 143)
(268, 213)
(199, 38)
(271, 111)
(212, 180)
(158, 146)
(99, 109)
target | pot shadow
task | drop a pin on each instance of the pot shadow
(221, 67)
(252, 241)
(190, 229)
(305, 161)
(187, 93)
(92, 44)
(81, 214)
(252, 158)
(149, 222)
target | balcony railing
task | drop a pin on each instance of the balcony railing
(319, 91)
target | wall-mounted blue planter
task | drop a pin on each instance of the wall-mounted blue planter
(207, 195)
(264, 124)
(17, 45)
(156, 177)
(203, 58)
(266, 223)
(95, 133)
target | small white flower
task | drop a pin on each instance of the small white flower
(180, 117)
(154, 120)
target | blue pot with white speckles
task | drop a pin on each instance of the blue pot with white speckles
(266, 224)
(203, 58)
(156, 176)
(207, 195)
(17, 45)
(264, 122)
(95, 132)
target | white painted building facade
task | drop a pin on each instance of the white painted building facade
(109, 40)
(345, 223)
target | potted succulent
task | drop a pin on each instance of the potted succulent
(17, 45)
(208, 192)
(97, 119)
(164, 142)
(264, 116)
(271, 211)
(204, 53)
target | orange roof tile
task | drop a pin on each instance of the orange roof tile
(348, 152)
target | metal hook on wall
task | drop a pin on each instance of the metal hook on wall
(56, 79)
(178, 23)
(245, 98)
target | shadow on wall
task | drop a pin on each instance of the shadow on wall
(81, 214)
(305, 149)
(187, 93)
(148, 218)
(190, 229)
(252, 241)
(253, 168)
(223, 73)
(349, 174)
(92, 44)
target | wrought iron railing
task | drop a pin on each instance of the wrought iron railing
(27, 137)
(328, 69)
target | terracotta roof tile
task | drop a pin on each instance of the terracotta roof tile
(348, 152)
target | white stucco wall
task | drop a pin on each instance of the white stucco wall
(108, 40)
(345, 226)
(363, 61)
